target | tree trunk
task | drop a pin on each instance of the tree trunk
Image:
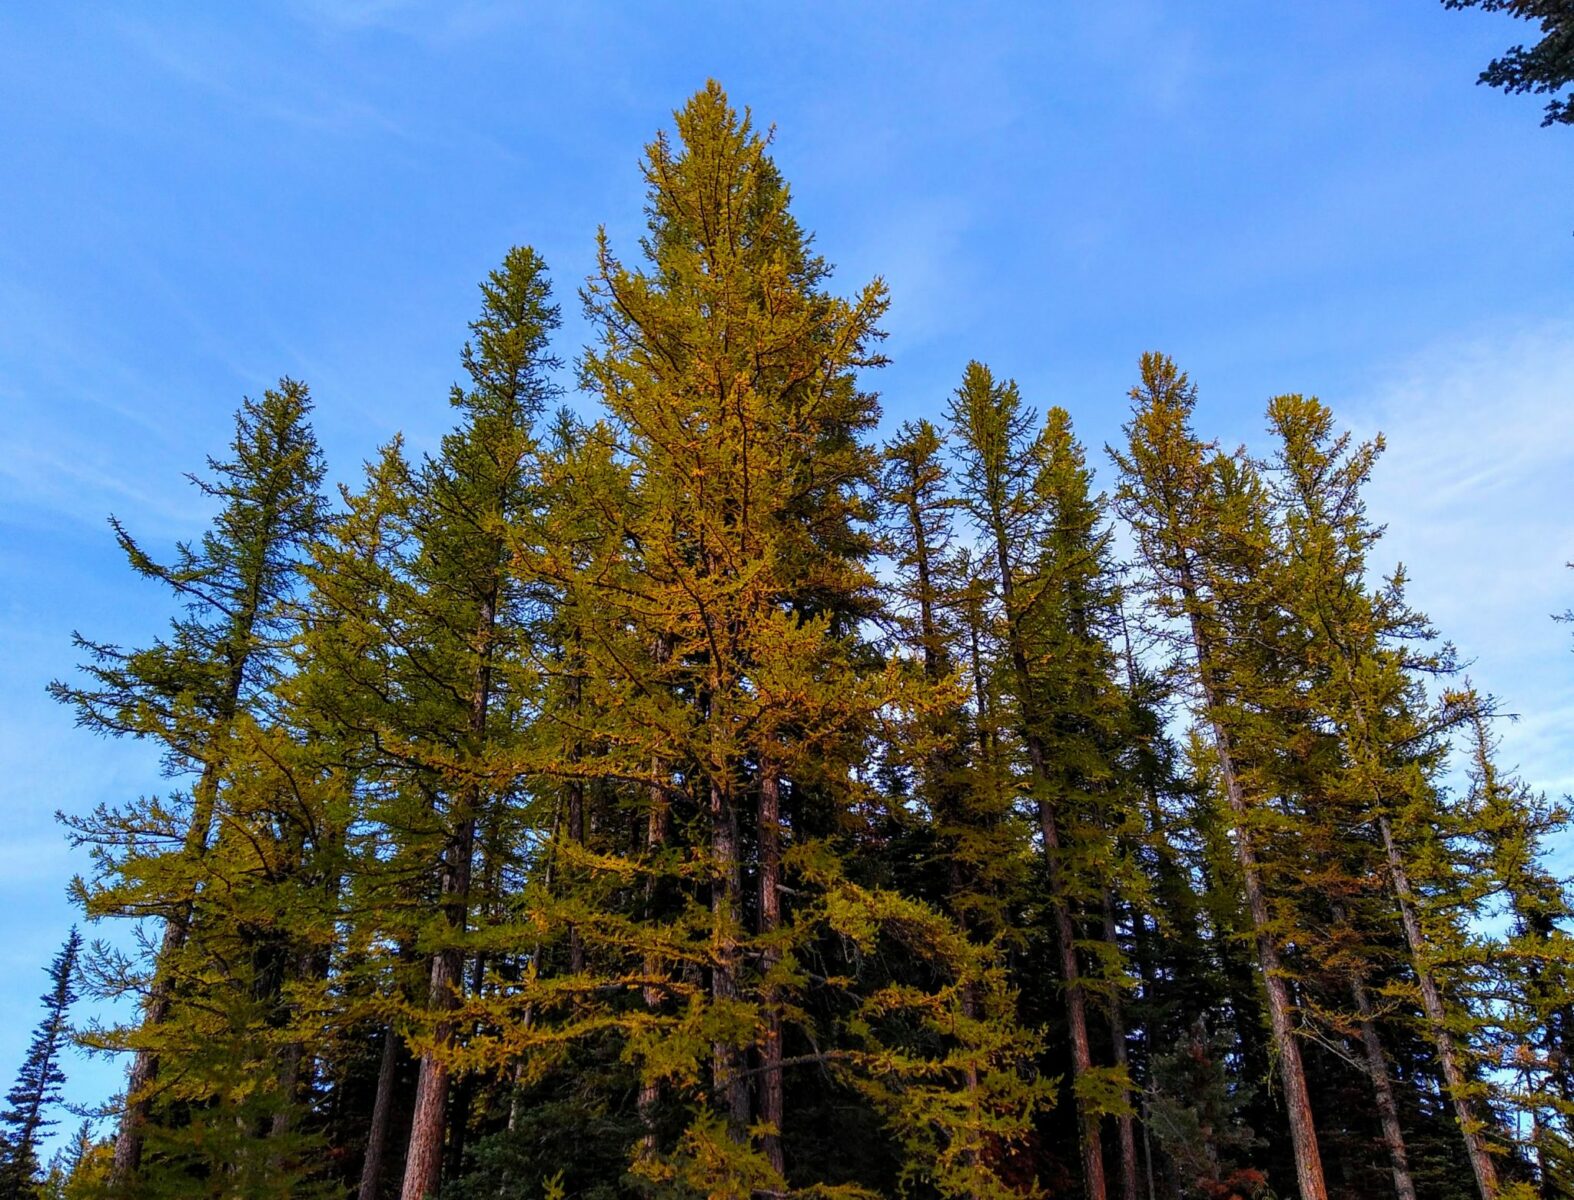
(424, 1161)
(1303, 1129)
(770, 1080)
(145, 1062)
(1383, 1092)
(1125, 1125)
(1432, 1004)
(382, 1119)
(1070, 974)
(727, 1074)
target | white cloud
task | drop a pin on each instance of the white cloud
(1475, 491)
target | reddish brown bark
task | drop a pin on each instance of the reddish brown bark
(1298, 1104)
(423, 1165)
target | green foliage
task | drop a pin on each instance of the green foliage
(39, 1081)
(695, 798)
(1544, 68)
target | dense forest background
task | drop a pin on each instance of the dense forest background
(706, 797)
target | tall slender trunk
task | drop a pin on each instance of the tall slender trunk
(1432, 1005)
(290, 1061)
(1125, 1123)
(424, 1161)
(177, 928)
(728, 1078)
(382, 1119)
(770, 1079)
(1071, 975)
(1383, 1092)
(1382, 1081)
(1303, 1129)
(656, 832)
(1060, 909)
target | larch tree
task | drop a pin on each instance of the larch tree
(236, 586)
(1187, 529)
(459, 609)
(1027, 494)
(1369, 692)
(1530, 1038)
(720, 621)
(1318, 572)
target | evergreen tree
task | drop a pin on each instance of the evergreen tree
(976, 843)
(1199, 522)
(1369, 693)
(719, 620)
(38, 1081)
(222, 660)
(1029, 497)
(1070, 629)
(420, 595)
(1545, 68)
(1534, 957)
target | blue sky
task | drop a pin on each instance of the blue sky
(196, 199)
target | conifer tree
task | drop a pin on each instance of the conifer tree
(1070, 630)
(39, 1080)
(1028, 496)
(453, 609)
(1370, 695)
(719, 617)
(71, 1169)
(715, 369)
(969, 804)
(1535, 956)
(185, 693)
(349, 694)
(1175, 493)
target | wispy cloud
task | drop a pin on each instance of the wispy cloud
(1474, 489)
(223, 67)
